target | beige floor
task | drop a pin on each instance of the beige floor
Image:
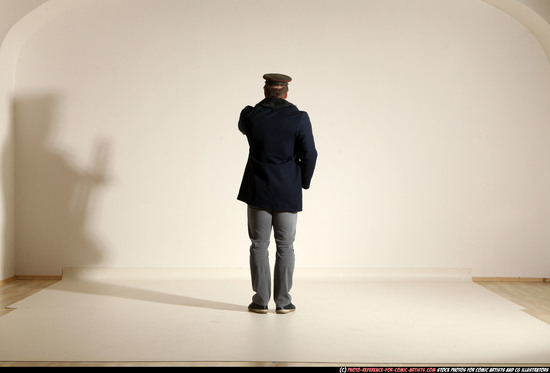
(201, 319)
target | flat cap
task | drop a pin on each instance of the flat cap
(273, 79)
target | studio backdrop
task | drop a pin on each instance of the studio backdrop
(431, 119)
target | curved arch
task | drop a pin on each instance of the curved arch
(13, 11)
(529, 18)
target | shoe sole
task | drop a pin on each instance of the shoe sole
(257, 310)
(285, 311)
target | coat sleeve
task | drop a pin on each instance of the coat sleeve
(305, 150)
(243, 120)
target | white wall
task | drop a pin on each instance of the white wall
(11, 11)
(431, 120)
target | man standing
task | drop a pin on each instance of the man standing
(281, 161)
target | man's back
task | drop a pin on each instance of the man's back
(271, 131)
(282, 155)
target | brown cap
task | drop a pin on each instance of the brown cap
(277, 79)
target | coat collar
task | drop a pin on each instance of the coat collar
(274, 103)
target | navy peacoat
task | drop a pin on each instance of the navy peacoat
(282, 155)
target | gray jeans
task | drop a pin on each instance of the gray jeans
(259, 230)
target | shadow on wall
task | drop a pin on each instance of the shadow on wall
(53, 197)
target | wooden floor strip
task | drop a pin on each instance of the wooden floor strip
(510, 279)
(6, 281)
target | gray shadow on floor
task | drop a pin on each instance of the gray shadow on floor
(129, 292)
